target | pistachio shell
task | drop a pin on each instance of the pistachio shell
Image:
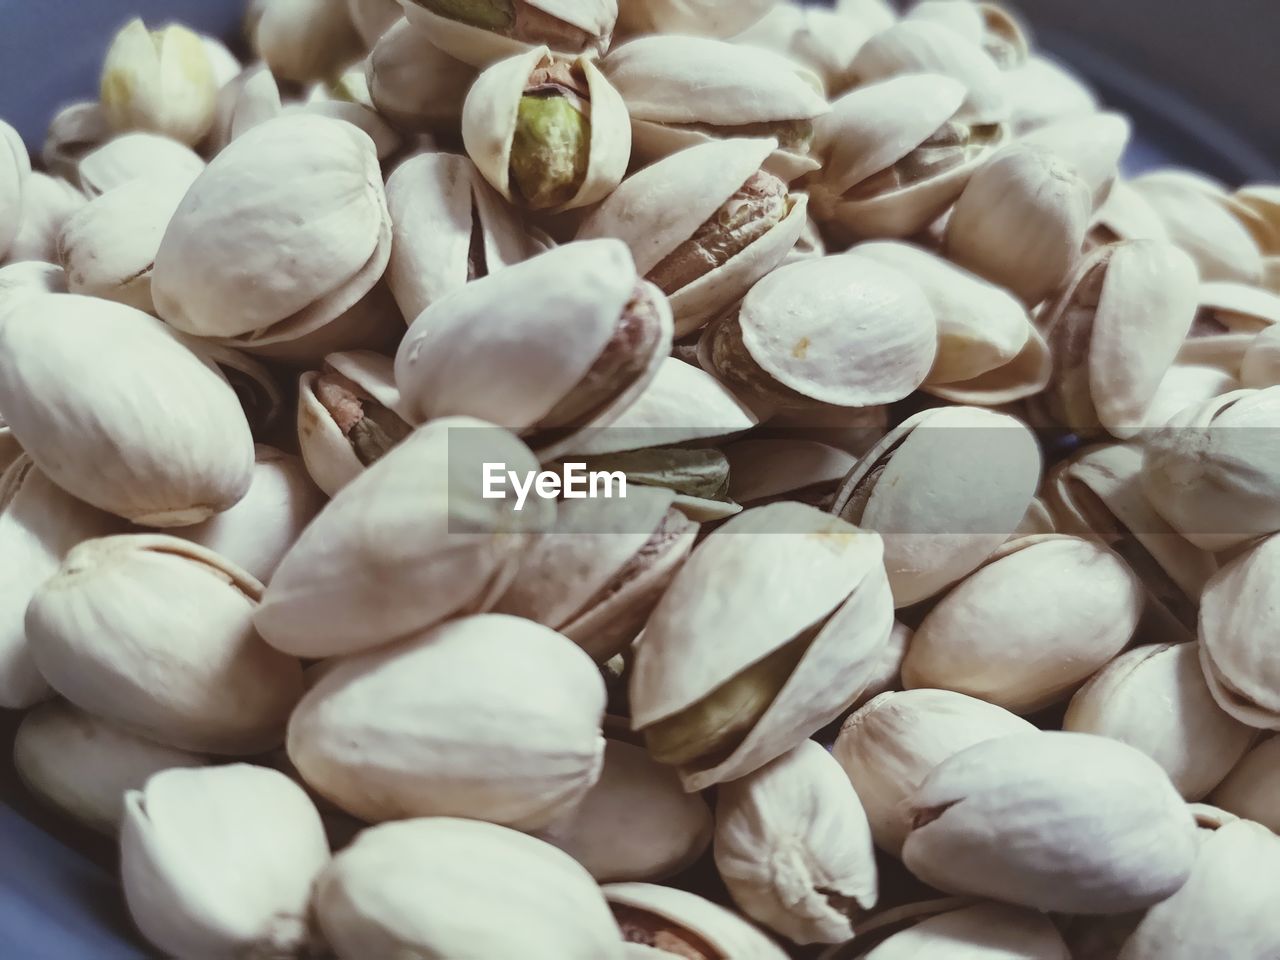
(700, 18)
(116, 411)
(48, 202)
(876, 14)
(305, 40)
(984, 931)
(766, 469)
(1252, 787)
(252, 98)
(1042, 91)
(29, 277)
(15, 170)
(823, 40)
(1238, 307)
(887, 675)
(415, 84)
(1024, 376)
(1186, 385)
(513, 737)
(75, 130)
(373, 18)
(569, 27)
(1260, 367)
(133, 156)
(1093, 144)
(1126, 215)
(370, 902)
(668, 917)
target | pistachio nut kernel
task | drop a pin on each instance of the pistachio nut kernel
(755, 208)
(516, 19)
(734, 366)
(653, 930)
(371, 428)
(552, 144)
(952, 145)
(690, 472)
(488, 14)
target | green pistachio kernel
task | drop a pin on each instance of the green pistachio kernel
(487, 14)
(550, 151)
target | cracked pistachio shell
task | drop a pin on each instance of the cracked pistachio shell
(464, 355)
(980, 326)
(671, 203)
(841, 330)
(887, 674)
(1110, 358)
(1187, 385)
(1210, 471)
(258, 531)
(1155, 698)
(1021, 221)
(136, 156)
(1093, 144)
(597, 574)
(919, 46)
(686, 925)
(156, 634)
(9, 447)
(793, 846)
(1230, 308)
(696, 18)
(823, 40)
(108, 247)
(332, 450)
(1023, 377)
(406, 544)
(1042, 91)
(371, 905)
(159, 80)
(39, 523)
(682, 91)
(119, 413)
(1126, 215)
(491, 120)
(1198, 218)
(288, 223)
(373, 18)
(763, 469)
(387, 141)
(1040, 616)
(1239, 616)
(1223, 909)
(74, 131)
(219, 862)
(226, 66)
(889, 745)
(636, 823)
(1252, 788)
(935, 534)
(512, 737)
(830, 617)
(15, 171)
(253, 97)
(82, 765)
(984, 931)
(415, 84)
(48, 202)
(1064, 822)
(482, 32)
(304, 40)
(1260, 367)
(439, 203)
(987, 25)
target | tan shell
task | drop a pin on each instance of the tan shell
(415, 84)
(490, 717)
(1093, 144)
(480, 47)
(304, 40)
(699, 18)
(690, 915)
(820, 572)
(1260, 367)
(405, 545)
(1042, 91)
(935, 534)
(133, 156)
(657, 209)
(1189, 735)
(48, 202)
(1252, 787)
(156, 634)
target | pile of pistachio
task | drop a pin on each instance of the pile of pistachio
(941, 618)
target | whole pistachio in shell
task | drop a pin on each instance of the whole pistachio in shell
(1021, 221)
(698, 18)
(681, 91)
(220, 862)
(888, 746)
(793, 846)
(591, 336)
(936, 534)
(48, 202)
(156, 634)
(15, 170)
(114, 409)
(718, 712)
(1260, 367)
(843, 330)
(512, 736)
(304, 40)
(981, 931)
(288, 227)
(82, 765)
(1252, 788)
(1155, 698)
(415, 84)
(548, 134)
(433, 887)
(134, 156)
(675, 922)
(1065, 822)
(481, 32)
(704, 225)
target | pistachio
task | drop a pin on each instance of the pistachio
(75, 131)
(304, 40)
(1251, 788)
(373, 18)
(685, 925)
(135, 156)
(415, 84)
(48, 203)
(701, 18)
(482, 32)
(691, 472)
(983, 931)
(763, 470)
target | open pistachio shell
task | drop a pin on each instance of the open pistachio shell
(704, 223)
(1186, 385)
(1252, 787)
(75, 131)
(933, 534)
(698, 475)
(698, 18)
(15, 171)
(1228, 308)
(1260, 367)
(761, 470)
(1024, 376)
(482, 32)
(981, 931)
(684, 924)
(719, 713)
(415, 84)
(1042, 91)
(822, 40)
(133, 156)
(987, 25)
(48, 203)
(1126, 215)
(1093, 144)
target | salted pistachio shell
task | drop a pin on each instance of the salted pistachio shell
(980, 327)
(684, 924)
(636, 823)
(1260, 367)
(39, 523)
(983, 931)
(482, 32)
(890, 744)
(82, 765)
(1092, 144)
(75, 130)
(793, 847)
(1042, 91)
(403, 546)
(156, 634)
(934, 535)
(779, 468)
(1126, 215)
(513, 737)
(119, 413)
(415, 84)
(1210, 470)
(1023, 377)
(1252, 787)
(1098, 826)
(823, 40)
(1155, 698)
(369, 900)
(699, 18)
(373, 18)
(1021, 221)
(719, 713)
(304, 40)
(133, 156)
(704, 224)
(597, 574)
(220, 861)
(48, 202)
